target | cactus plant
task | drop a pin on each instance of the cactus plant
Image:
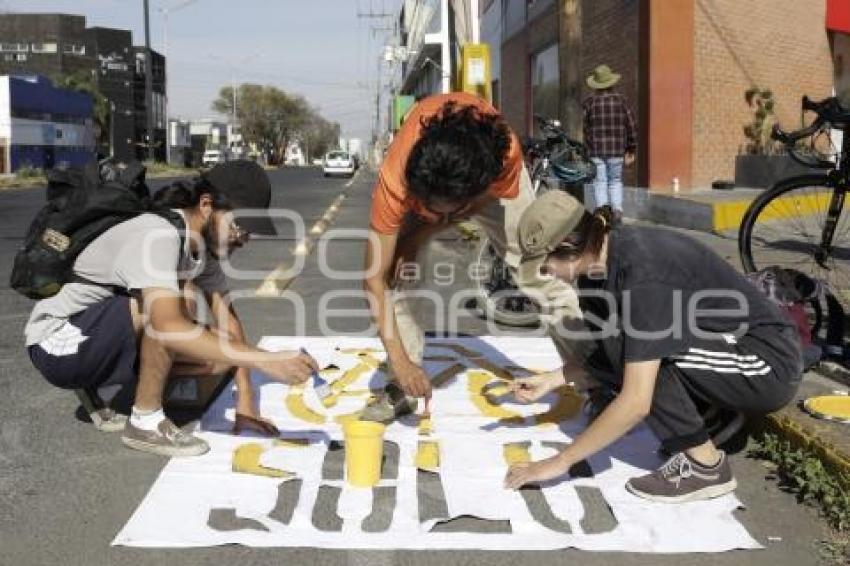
(757, 132)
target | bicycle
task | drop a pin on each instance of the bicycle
(553, 158)
(800, 222)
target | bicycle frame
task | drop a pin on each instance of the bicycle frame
(839, 182)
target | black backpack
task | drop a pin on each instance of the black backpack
(82, 204)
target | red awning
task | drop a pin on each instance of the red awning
(838, 15)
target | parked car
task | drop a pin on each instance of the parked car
(338, 163)
(213, 157)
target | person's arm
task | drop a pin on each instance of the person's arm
(380, 253)
(183, 338)
(226, 321)
(628, 409)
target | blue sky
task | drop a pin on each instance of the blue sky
(318, 48)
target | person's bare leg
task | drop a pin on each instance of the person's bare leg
(154, 366)
(706, 454)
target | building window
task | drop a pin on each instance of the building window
(14, 47)
(74, 49)
(545, 82)
(21, 57)
(44, 48)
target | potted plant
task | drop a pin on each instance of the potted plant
(763, 161)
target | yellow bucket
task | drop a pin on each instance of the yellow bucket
(364, 452)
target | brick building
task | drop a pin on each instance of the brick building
(685, 66)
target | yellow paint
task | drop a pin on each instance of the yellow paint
(829, 406)
(349, 377)
(516, 453)
(568, 406)
(497, 389)
(357, 351)
(477, 380)
(295, 405)
(426, 427)
(246, 460)
(292, 442)
(364, 450)
(347, 418)
(727, 215)
(428, 456)
(369, 360)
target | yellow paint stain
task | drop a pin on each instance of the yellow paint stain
(292, 442)
(357, 351)
(349, 377)
(477, 380)
(341, 420)
(428, 456)
(516, 453)
(426, 427)
(496, 389)
(295, 405)
(246, 460)
(369, 360)
(567, 407)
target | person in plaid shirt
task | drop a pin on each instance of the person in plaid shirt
(610, 133)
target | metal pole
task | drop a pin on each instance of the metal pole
(111, 129)
(445, 51)
(475, 21)
(148, 81)
(165, 98)
(378, 103)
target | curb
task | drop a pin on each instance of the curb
(784, 425)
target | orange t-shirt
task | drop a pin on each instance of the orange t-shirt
(390, 199)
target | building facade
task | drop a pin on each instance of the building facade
(43, 126)
(685, 66)
(60, 45)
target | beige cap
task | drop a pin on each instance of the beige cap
(547, 222)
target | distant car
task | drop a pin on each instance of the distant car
(338, 163)
(213, 157)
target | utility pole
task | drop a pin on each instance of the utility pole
(372, 15)
(165, 11)
(148, 81)
(569, 44)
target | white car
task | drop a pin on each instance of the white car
(213, 157)
(338, 163)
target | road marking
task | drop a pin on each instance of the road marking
(277, 281)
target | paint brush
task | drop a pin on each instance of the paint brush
(320, 384)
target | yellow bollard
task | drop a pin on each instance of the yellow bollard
(364, 452)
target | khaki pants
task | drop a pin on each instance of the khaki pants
(499, 219)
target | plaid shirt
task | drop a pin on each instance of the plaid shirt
(609, 126)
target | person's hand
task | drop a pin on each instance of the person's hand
(629, 157)
(288, 366)
(535, 472)
(412, 379)
(530, 389)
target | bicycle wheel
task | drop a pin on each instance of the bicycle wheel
(784, 226)
(498, 296)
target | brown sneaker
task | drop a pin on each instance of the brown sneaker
(682, 479)
(103, 418)
(166, 440)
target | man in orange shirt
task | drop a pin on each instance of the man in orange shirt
(453, 159)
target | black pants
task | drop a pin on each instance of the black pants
(755, 376)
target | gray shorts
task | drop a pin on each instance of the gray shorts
(101, 348)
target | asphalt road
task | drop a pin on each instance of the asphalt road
(66, 489)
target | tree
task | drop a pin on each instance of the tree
(83, 81)
(269, 117)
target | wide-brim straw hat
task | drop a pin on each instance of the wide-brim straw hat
(602, 77)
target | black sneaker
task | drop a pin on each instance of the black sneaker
(682, 479)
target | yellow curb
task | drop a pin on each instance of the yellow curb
(831, 457)
(727, 215)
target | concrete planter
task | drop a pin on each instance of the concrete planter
(763, 171)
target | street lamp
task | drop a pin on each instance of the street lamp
(165, 11)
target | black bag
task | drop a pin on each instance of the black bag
(82, 204)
